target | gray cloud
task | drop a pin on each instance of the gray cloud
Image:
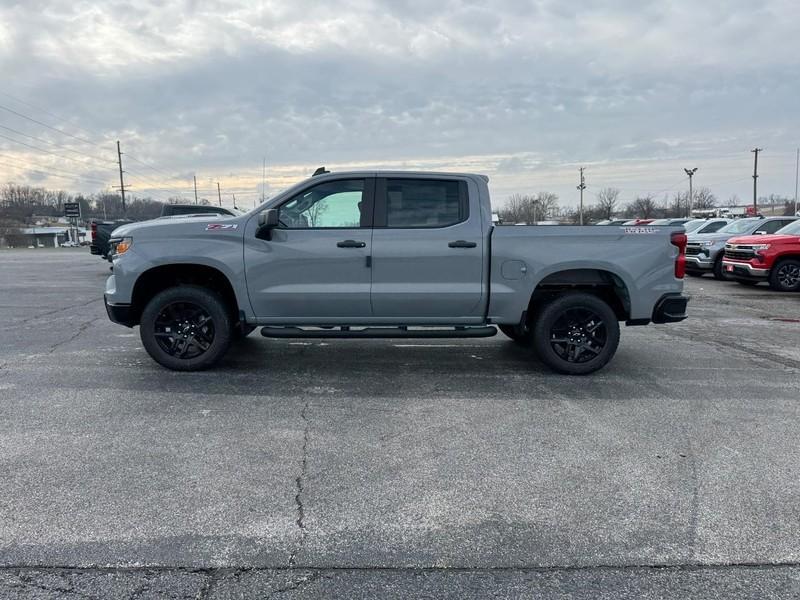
(521, 90)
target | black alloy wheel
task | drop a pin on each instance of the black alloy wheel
(785, 276)
(184, 330)
(578, 335)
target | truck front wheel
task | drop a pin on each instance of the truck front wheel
(785, 276)
(186, 328)
(576, 334)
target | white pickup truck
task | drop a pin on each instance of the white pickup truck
(390, 254)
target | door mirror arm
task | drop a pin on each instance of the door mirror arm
(267, 221)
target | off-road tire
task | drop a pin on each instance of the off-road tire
(209, 303)
(719, 274)
(785, 275)
(562, 310)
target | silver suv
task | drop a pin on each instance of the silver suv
(704, 251)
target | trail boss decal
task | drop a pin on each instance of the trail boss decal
(640, 230)
(221, 226)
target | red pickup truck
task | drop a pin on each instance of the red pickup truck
(773, 258)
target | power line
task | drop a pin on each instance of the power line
(149, 166)
(157, 185)
(50, 113)
(68, 149)
(73, 177)
(42, 150)
(44, 168)
(61, 131)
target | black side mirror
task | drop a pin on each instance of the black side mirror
(267, 221)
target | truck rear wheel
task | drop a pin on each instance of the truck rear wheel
(186, 328)
(785, 275)
(576, 334)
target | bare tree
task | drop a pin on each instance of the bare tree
(704, 199)
(546, 205)
(529, 209)
(644, 207)
(516, 209)
(314, 213)
(607, 201)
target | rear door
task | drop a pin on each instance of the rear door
(427, 249)
(773, 225)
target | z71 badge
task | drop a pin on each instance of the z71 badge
(221, 226)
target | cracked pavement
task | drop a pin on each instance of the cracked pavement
(381, 468)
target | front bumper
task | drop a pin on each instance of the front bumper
(671, 308)
(699, 262)
(743, 270)
(119, 313)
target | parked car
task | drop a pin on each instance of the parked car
(704, 251)
(711, 225)
(772, 258)
(101, 234)
(612, 222)
(170, 210)
(388, 254)
(671, 222)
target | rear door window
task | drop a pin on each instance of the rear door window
(414, 203)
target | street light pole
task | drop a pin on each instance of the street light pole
(796, 174)
(755, 151)
(690, 173)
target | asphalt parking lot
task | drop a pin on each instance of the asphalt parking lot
(380, 468)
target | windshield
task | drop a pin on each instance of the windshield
(694, 225)
(739, 226)
(791, 229)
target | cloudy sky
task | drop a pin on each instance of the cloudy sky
(524, 91)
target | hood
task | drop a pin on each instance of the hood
(708, 237)
(765, 239)
(157, 226)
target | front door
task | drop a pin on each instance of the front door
(315, 267)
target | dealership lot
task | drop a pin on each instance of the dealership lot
(379, 467)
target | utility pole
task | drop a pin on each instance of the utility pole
(263, 177)
(690, 173)
(195, 188)
(121, 181)
(796, 174)
(219, 194)
(755, 151)
(581, 187)
(234, 202)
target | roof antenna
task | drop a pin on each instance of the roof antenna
(320, 171)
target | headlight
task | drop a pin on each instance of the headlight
(120, 246)
(760, 247)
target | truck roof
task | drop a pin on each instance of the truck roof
(391, 173)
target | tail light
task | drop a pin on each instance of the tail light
(679, 239)
(94, 231)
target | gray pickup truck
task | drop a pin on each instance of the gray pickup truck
(390, 254)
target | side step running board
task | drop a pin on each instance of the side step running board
(379, 332)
